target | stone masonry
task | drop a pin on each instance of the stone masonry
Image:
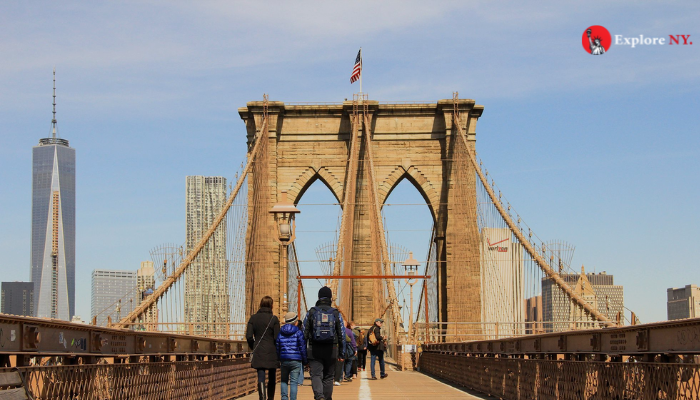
(410, 141)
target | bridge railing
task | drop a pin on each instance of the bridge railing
(202, 379)
(651, 361)
(437, 332)
(214, 330)
(62, 360)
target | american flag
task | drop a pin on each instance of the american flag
(357, 69)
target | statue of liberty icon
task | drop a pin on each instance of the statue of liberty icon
(594, 44)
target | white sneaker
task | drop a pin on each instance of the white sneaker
(336, 383)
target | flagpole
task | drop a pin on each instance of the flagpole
(360, 69)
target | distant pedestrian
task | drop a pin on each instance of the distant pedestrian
(361, 349)
(300, 324)
(323, 329)
(350, 350)
(263, 327)
(376, 344)
(291, 350)
(356, 331)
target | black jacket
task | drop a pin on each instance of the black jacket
(324, 351)
(265, 354)
(378, 334)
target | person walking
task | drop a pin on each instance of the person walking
(356, 330)
(323, 329)
(350, 350)
(376, 344)
(291, 350)
(263, 327)
(361, 349)
(300, 324)
(340, 366)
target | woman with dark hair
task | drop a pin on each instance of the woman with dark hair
(263, 328)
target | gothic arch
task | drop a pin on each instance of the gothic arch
(419, 181)
(308, 177)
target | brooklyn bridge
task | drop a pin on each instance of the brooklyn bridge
(470, 335)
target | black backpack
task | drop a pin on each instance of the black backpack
(324, 319)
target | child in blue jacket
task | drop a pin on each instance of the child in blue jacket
(291, 351)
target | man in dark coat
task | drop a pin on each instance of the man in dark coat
(261, 332)
(323, 356)
(376, 350)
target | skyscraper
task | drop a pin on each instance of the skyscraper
(18, 298)
(501, 281)
(206, 283)
(598, 289)
(53, 225)
(114, 294)
(682, 302)
(145, 285)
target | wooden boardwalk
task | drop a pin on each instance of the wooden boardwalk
(399, 385)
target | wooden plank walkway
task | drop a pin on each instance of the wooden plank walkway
(398, 385)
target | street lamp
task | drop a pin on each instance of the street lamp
(284, 212)
(411, 266)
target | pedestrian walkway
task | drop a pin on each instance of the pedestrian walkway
(399, 385)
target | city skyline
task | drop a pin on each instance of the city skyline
(600, 151)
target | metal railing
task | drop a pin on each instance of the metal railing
(214, 379)
(469, 331)
(509, 378)
(650, 361)
(231, 330)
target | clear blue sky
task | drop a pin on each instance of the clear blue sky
(601, 151)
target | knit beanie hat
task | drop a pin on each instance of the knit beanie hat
(325, 292)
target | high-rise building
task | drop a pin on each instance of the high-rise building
(53, 225)
(501, 282)
(206, 284)
(114, 295)
(145, 285)
(683, 302)
(18, 298)
(599, 290)
(533, 315)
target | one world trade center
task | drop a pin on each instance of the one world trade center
(53, 225)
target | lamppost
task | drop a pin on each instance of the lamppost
(284, 212)
(411, 266)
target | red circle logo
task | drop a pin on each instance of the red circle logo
(596, 40)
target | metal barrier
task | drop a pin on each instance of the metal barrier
(652, 361)
(469, 331)
(28, 341)
(216, 330)
(510, 378)
(216, 379)
(63, 360)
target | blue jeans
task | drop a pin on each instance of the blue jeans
(348, 367)
(301, 376)
(373, 356)
(290, 375)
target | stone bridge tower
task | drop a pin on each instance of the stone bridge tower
(414, 141)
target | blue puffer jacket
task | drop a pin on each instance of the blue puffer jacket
(291, 344)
